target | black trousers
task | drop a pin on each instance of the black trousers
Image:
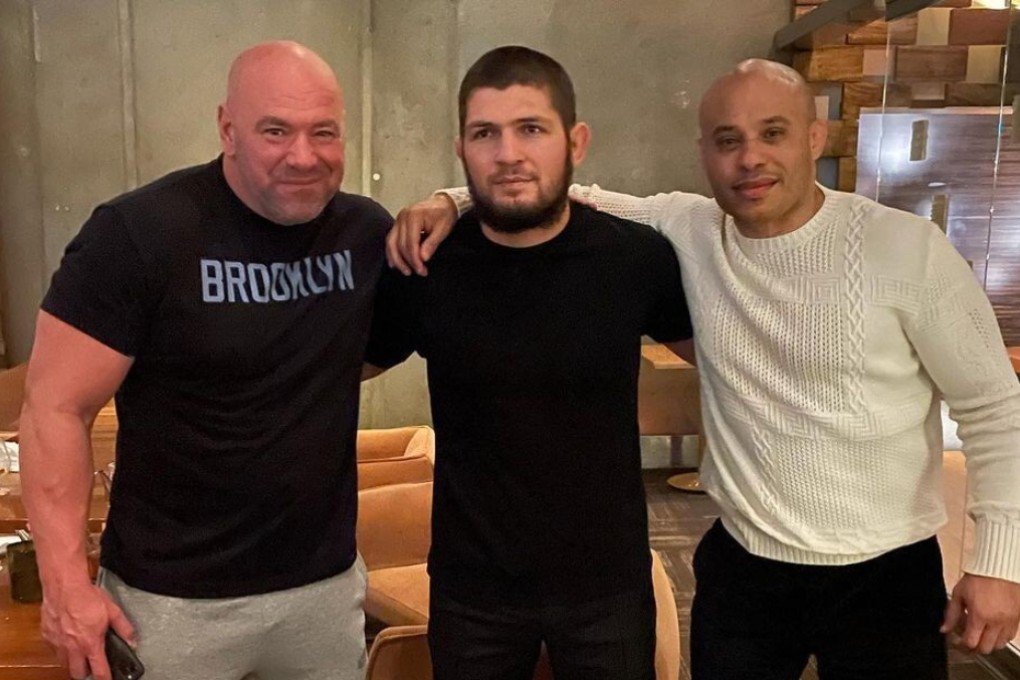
(759, 619)
(606, 639)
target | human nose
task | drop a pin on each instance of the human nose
(300, 154)
(509, 150)
(752, 155)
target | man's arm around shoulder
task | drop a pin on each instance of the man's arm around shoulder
(420, 228)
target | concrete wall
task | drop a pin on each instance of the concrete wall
(100, 95)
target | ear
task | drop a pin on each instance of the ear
(818, 131)
(580, 137)
(226, 129)
(458, 147)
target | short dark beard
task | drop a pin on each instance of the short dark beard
(516, 220)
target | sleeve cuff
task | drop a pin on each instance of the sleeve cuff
(996, 551)
(461, 198)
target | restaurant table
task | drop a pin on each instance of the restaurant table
(23, 653)
(12, 509)
(669, 404)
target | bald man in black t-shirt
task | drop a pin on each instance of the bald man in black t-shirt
(227, 306)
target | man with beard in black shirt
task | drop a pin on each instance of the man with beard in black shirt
(531, 322)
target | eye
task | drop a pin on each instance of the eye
(727, 143)
(532, 129)
(326, 134)
(274, 132)
(481, 133)
(773, 134)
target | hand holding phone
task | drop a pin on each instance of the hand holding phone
(124, 663)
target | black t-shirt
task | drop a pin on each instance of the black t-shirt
(533, 357)
(235, 453)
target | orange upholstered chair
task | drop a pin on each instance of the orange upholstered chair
(400, 653)
(395, 456)
(394, 534)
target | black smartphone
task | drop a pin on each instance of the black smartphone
(124, 663)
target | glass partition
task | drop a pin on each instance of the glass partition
(944, 143)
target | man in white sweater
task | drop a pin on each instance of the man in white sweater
(828, 327)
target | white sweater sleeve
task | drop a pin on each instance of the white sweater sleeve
(460, 196)
(957, 339)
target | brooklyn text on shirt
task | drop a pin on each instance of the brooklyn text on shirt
(257, 282)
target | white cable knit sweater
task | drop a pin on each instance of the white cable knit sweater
(822, 353)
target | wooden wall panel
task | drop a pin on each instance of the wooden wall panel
(978, 27)
(979, 94)
(842, 139)
(923, 63)
(869, 95)
(847, 174)
(831, 63)
(899, 32)
(878, 32)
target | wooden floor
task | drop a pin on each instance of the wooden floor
(676, 522)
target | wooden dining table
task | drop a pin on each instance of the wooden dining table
(24, 655)
(12, 508)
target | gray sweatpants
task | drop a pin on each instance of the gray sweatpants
(315, 632)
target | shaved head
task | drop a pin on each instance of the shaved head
(252, 67)
(760, 138)
(780, 75)
(282, 131)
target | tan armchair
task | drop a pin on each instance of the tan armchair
(667, 624)
(400, 653)
(395, 456)
(394, 534)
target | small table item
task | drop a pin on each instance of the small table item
(688, 482)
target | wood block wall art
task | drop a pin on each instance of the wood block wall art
(978, 27)
(979, 94)
(927, 95)
(831, 63)
(842, 139)
(869, 95)
(899, 32)
(985, 63)
(847, 174)
(931, 63)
